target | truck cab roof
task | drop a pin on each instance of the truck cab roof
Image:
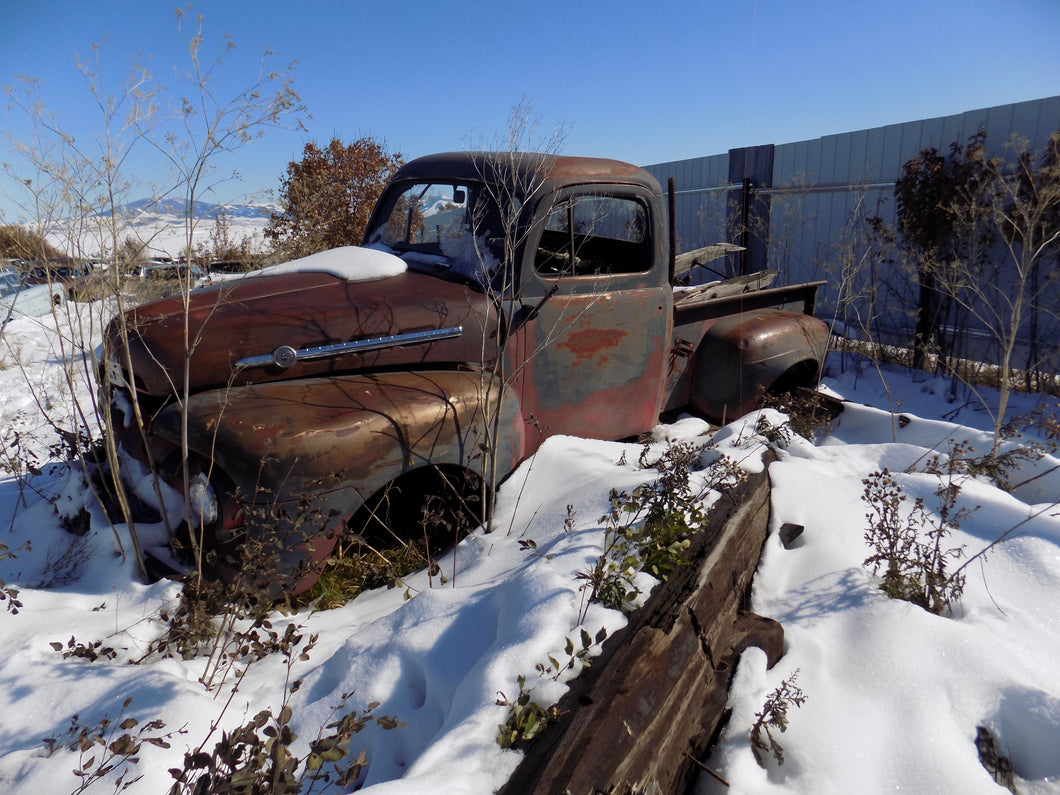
(526, 168)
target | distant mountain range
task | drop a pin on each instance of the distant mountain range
(156, 207)
(159, 223)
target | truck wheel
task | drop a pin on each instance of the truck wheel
(800, 374)
(420, 515)
(795, 394)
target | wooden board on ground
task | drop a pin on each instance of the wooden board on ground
(643, 715)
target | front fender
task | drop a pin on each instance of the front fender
(339, 440)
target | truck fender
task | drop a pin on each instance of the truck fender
(328, 444)
(743, 355)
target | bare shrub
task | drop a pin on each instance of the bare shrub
(774, 715)
(650, 529)
(108, 746)
(910, 547)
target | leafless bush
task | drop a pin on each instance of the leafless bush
(774, 715)
(911, 547)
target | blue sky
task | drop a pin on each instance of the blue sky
(640, 81)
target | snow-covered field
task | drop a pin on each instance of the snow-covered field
(161, 226)
(894, 695)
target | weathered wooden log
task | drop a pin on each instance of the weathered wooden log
(652, 701)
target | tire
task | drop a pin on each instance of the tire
(801, 374)
(431, 508)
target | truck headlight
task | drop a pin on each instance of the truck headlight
(109, 372)
(214, 507)
(205, 506)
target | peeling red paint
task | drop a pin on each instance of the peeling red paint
(585, 344)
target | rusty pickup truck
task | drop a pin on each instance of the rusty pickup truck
(496, 300)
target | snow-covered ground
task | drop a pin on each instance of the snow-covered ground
(894, 695)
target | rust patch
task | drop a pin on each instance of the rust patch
(589, 342)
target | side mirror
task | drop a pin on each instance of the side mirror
(459, 195)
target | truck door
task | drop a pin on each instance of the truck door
(594, 316)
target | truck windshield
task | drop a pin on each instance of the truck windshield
(457, 227)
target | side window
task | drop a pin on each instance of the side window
(590, 235)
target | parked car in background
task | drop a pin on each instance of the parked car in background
(18, 298)
(158, 279)
(227, 268)
(69, 274)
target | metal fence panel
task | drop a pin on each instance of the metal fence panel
(816, 189)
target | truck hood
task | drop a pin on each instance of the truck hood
(299, 321)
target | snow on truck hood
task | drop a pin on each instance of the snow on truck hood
(352, 263)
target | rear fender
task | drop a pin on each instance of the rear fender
(744, 354)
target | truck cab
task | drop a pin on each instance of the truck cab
(573, 251)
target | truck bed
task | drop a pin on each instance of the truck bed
(740, 295)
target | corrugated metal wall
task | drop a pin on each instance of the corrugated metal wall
(817, 187)
(700, 206)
